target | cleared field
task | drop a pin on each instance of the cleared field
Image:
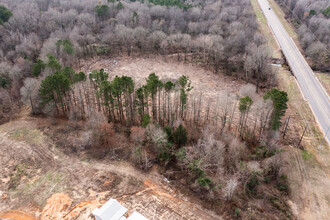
(204, 81)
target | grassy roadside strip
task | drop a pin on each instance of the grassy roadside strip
(298, 107)
(264, 28)
(325, 80)
(288, 26)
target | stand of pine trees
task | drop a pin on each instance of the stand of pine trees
(76, 95)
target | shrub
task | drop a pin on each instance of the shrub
(180, 136)
(166, 153)
(230, 188)
(312, 12)
(156, 137)
(137, 134)
(4, 82)
(282, 184)
(204, 181)
(237, 212)
(145, 120)
(38, 67)
(251, 185)
(168, 131)
(326, 12)
(180, 154)
(141, 159)
(210, 150)
(201, 177)
(104, 135)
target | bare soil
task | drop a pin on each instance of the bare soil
(39, 181)
(204, 81)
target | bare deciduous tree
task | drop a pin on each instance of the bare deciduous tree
(229, 189)
(256, 62)
(30, 94)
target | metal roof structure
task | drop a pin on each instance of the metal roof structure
(113, 210)
(137, 216)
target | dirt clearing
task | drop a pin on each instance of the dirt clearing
(204, 81)
(39, 181)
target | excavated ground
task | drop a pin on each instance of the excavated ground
(39, 181)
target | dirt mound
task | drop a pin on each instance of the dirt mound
(160, 190)
(17, 215)
(82, 210)
(56, 207)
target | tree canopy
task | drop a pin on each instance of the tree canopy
(102, 11)
(326, 12)
(5, 14)
(280, 99)
(179, 3)
(4, 82)
(38, 67)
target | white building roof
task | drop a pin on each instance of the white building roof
(137, 216)
(111, 210)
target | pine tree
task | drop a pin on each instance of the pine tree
(38, 67)
(168, 88)
(244, 107)
(180, 136)
(280, 99)
(186, 87)
(54, 88)
(153, 84)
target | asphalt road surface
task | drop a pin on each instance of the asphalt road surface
(312, 89)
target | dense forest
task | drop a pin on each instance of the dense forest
(312, 19)
(217, 145)
(218, 35)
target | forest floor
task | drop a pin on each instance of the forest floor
(39, 180)
(309, 169)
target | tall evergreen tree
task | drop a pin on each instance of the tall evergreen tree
(153, 84)
(54, 88)
(168, 88)
(186, 87)
(244, 107)
(280, 99)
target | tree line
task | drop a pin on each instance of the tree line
(219, 35)
(78, 96)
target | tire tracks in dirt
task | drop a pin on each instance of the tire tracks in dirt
(154, 184)
(309, 198)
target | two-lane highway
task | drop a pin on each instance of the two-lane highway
(312, 89)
